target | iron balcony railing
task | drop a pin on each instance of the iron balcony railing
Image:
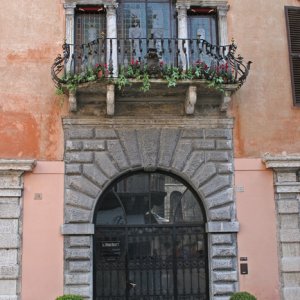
(109, 57)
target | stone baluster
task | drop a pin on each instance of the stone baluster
(183, 34)
(111, 30)
(70, 28)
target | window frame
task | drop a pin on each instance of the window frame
(295, 85)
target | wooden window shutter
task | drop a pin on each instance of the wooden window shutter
(293, 29)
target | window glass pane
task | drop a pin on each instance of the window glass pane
(141, 20)
(204, 26)
(188, 209)
(89, 27)
(110, 210)
(149, 198)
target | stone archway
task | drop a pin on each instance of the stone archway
(95, 154)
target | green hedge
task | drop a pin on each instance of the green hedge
(69, 297)
(242, 296)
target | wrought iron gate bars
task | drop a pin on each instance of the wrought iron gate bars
(150, 268)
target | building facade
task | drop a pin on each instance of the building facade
(165, 165)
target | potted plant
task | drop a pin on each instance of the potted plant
(242, 296)
(69, 297)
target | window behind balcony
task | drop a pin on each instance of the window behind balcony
(143, 25)
(90, 28)
(202, 23)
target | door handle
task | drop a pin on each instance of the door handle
(131, 285)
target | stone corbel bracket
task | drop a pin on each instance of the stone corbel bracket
(190, 100)
(110, 99)
(72, 101)
(226, 99)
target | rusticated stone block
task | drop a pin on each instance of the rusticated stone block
(78, 157)
(8, 287)
(80, 133)
(9, 241)
(83, 185)
(9, 297)
(9, 271)
(79, 266)
(290, 249)
(10, 193)
(73, 145)
(225, 276)
(78, 199)
(204, 173)
(223, 251)
(286, 176)
(194, 162)
(84, 291)
(105, 164)
(222, 226)
(10, 181)
(77, 279)
(80, 241)
(168, 141)
(8, 256)
(93, 145)
(223, 145)
(220, 214)
(217, 156)
(77, 215)
(290, 264)
(291, 293)
(181, 154)
(105, 134)
(222, 264)
(221, 198)
(93, 173)
(290, 235)
(9, 211)
(288, 206)
(215, 184)
(78, 229)
(78, 254)
(289, 221)
(218, 239)
(219, 133)
(73, 169)
(116, 151)
(129, 140)
(192, 133)
(204, 144)
(10, 200)
(9, 226)
(148, 141)
(291, 279)
(225, 168)
(223, 289)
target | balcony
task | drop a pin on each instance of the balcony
(113, 71)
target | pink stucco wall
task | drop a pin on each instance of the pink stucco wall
(257, 237)
(42, 258)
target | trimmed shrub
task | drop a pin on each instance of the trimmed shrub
(242, 296)
(69, 297)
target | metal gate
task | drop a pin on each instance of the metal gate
(158, 259)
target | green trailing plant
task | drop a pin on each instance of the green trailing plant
(242, 296)
(216, 76)
(69, 297)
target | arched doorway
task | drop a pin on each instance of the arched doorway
(150, 240)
